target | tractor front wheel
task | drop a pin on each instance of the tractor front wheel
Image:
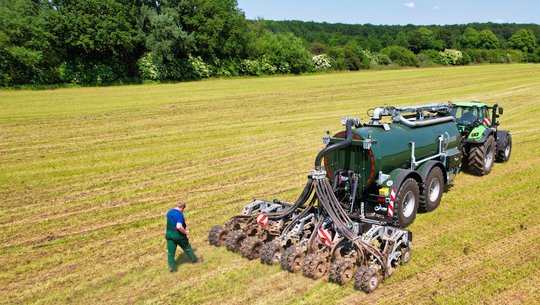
(481, 157)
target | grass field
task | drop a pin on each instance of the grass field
(87, 175)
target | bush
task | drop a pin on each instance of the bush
(465, 60)
(487, 56)
(337, 58)
(400, 55)
(250, 67)
(88, 72)
(424, 60)
(200, 68)
(227, 68)
(147, 68)
(286, 52)
(432, 55)
(451, 57)
(321, 61)
(516, 56)
(380, 59)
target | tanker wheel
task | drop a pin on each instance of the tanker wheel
(234, 240)
(293, 259)
(366, 279)
(271, 253)
(341, 271)
(481, 157)
(503, 155)
(433, 187)
(218, 236)
(251, 247)
(407, 202)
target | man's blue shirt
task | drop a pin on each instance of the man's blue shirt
(175, 217)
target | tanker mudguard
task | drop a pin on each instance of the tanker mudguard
(425, 168)
(399, 175)
(486, 133)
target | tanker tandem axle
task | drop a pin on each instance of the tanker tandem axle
(366, 186)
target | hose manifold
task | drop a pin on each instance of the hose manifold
(318, 174)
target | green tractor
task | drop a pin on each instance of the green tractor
(482, 142)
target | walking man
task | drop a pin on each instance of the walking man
(177, 235)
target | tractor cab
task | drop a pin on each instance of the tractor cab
(469, 115)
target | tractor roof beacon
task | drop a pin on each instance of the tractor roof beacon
(482, 141)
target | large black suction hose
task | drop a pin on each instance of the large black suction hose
(329, 148)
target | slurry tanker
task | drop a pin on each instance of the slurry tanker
(366, 187)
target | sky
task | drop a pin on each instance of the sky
(418, 12)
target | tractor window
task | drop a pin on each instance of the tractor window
(465, 115)
(484, 113)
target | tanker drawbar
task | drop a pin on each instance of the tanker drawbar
(366, 187)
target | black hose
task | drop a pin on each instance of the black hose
(341, 219)
(346, 142)
(306, 193)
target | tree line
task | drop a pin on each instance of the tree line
(113, 41)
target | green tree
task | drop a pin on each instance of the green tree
(523, 40)
(318, 48)
(402, 40)
(26, 50)
(400, 55)
(487, 40)
(447, 37)
(219, 28)
(423, 39)
(285, 51)
(469, 39)
(166, 39)
(101, 40)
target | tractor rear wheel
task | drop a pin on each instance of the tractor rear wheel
(234, 240)
(481, 156)
(407, 202)
(251, 247)
(432, 190)
(271, 253)
(503, 155)
(218, 236)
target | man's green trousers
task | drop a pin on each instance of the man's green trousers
(174, 239)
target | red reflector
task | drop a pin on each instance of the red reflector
(380, 199)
